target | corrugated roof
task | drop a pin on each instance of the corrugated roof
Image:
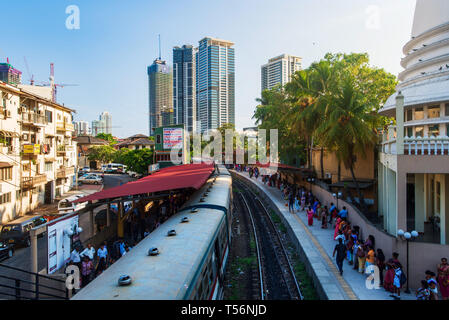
(171, 178)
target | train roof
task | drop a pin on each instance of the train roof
(217, 196)
(167, 275)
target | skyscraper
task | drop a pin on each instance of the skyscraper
(215, 83)
(160, 92)
(279, 70)
(82, 128)
(184, 87)
(103, 125)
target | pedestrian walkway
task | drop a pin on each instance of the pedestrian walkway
(318, 246)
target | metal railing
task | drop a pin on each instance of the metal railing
(64, 172)
(31, 117)
(34, 291)
(29, 182)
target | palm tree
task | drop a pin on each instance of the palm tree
(349, 127)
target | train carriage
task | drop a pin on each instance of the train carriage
(190, 264)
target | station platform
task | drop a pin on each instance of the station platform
(317, 246)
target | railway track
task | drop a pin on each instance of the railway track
(277, 277)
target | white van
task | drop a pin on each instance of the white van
(116, 168)
(66, 205)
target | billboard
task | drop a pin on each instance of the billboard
(60, 234)
(172, 137)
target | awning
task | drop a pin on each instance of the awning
(9, 134)
(171, 178)
(5, 165)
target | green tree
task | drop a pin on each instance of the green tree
(103, 153)
(108, 137)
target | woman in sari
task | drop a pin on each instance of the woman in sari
(324, 217)
(337, 226)
(310, 216)
(443, 278)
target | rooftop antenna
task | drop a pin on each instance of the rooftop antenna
(159, 46)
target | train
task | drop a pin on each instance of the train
(183, 259)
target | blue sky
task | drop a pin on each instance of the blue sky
(107, 57)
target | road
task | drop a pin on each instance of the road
(21, 258)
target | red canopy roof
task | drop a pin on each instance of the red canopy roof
(171, 178)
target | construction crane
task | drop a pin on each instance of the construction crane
(28, 71)
(54, 85)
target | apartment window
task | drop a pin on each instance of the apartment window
(18, 195)
(434, 130)
(48, 166)
(409, 115)
(446, 109)
(5, 198)
(447, 130)
(438, 197)
(6, 174)
(408, 132)
(49, 116)
(419, 113)
(158, 138)
(419, 131)
(433, 112)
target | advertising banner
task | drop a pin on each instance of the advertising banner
(60, 237)
(172, 137)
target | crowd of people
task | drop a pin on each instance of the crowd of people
(360, 254)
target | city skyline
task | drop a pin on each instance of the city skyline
(350, 26)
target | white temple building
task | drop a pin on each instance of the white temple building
(413, 168)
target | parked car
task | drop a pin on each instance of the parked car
(6, 250)
(91, 179)
(85, 169)
(66, 205)
(18, 231)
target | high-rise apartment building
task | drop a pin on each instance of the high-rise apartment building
(215, 83)
(279, 70)
(184, 87)
(103, 125)
(160, 84)
(82, 128)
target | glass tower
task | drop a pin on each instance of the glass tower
(184, 87)
(160, 93)
(215, 83)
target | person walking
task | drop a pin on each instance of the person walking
(88, 252)
(397, 283)
(443, 278)
(75, 258)
(370, 257)
(102, 254)
(291, 202)
(361, 257)
(380, 262)
(324, 217)
(87, 267)
(340, 249)
(310, 216)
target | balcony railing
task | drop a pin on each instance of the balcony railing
(62, 149)
(64, 126)
(419, 146)
(33, 118)
(65, 172)
(31, 182)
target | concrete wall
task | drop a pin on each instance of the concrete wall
(364, 167)
(422, 256)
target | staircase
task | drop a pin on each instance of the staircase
(19, 284)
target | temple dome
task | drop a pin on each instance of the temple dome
(425, 77)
